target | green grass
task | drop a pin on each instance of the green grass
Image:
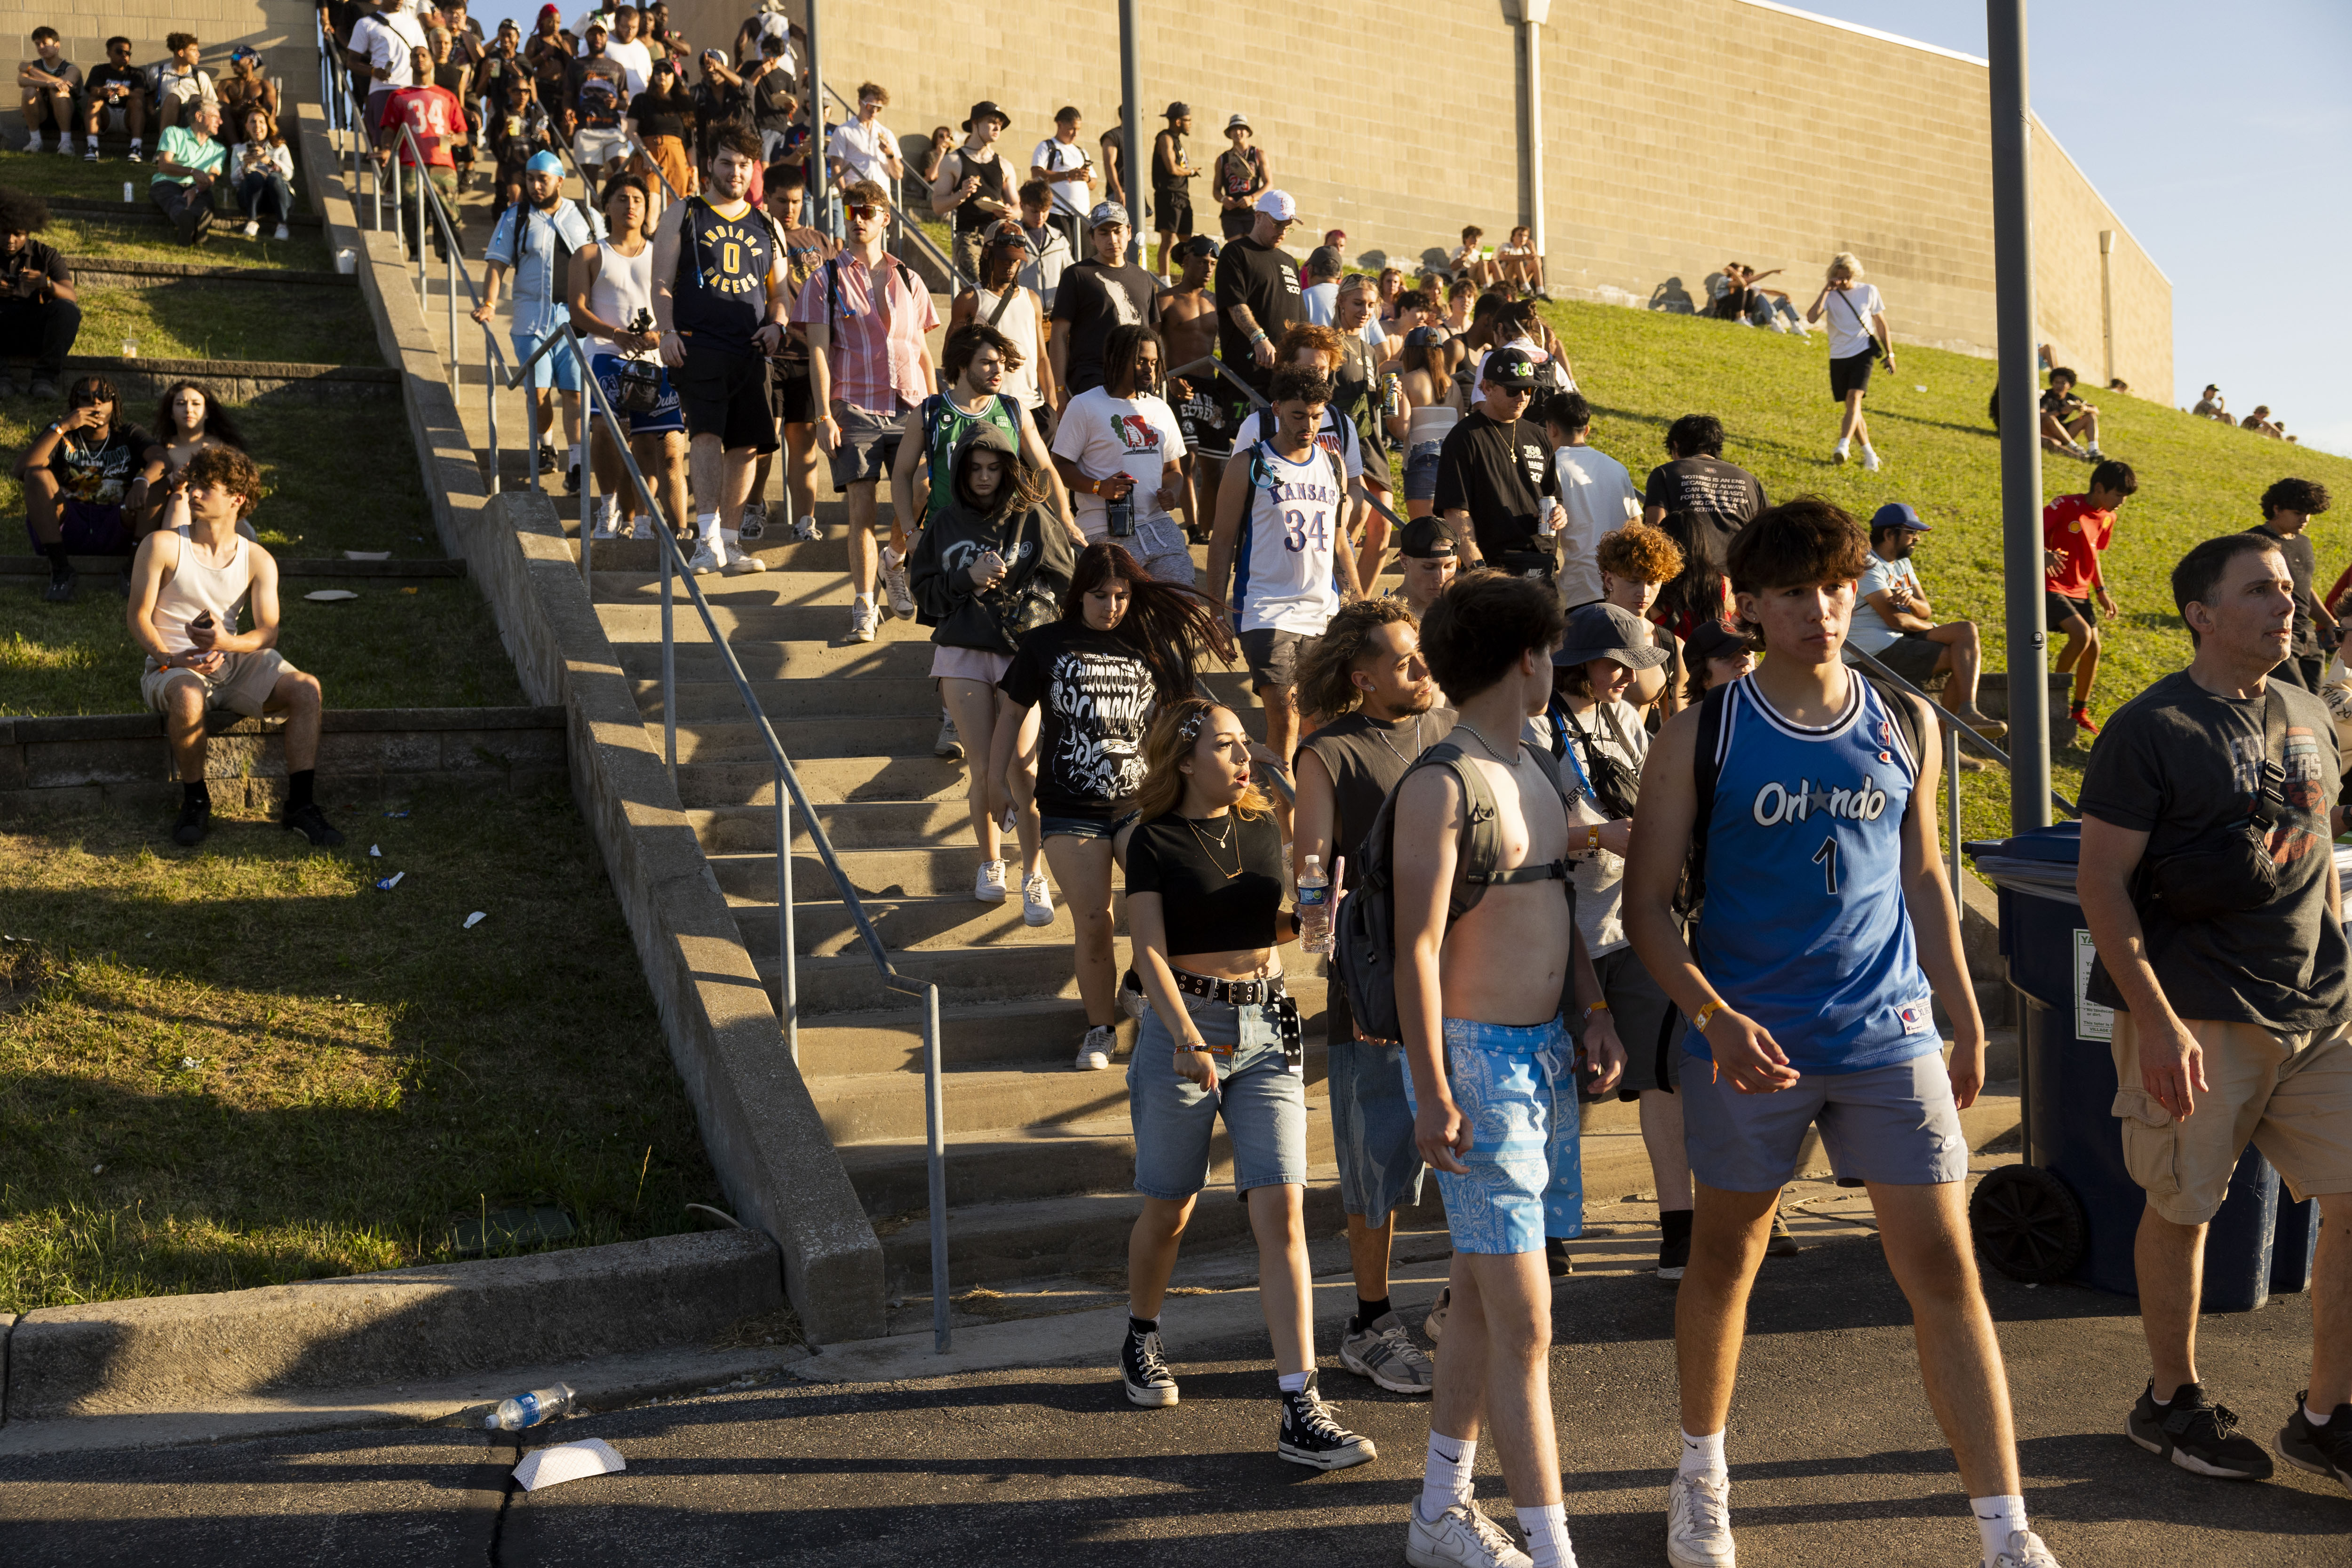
(2197, 479)
(86, 237)
(196, 318)
(244, 1066)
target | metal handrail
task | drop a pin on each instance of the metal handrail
(906, 228)
(789, 794)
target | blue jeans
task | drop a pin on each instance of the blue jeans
(266, 195)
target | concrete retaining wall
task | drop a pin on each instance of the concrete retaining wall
(162, 1353)
(758, 1122)
(121, 760)
(238, 381)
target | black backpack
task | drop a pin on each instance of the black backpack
(1363, 943)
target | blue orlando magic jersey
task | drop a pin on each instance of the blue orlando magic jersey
(1804, 927)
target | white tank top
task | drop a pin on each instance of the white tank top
(1020, 324)
(623, 286)
(1430, 423)
(197, 585)
(1282, 575)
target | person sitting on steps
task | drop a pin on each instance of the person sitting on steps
(188, 583)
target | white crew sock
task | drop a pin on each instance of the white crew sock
(1844, 446)
(1446, 1481)
(1702, 1455)
(2317, 1418)
(1291, 1382)
(572, 456)
(608, 510)
(1998, 1518)
(705, 527)
(1546, 1529)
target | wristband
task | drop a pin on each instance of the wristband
(1592, 842)
(1596, 1007)
(1699, 1021)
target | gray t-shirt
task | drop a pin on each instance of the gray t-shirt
(2179, 763)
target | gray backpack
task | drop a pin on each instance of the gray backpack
(1363, 945)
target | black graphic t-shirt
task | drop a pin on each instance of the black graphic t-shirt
(1095, 698)
(95, 469)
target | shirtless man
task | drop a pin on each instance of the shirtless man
(1485, 1048)
(1188, 326)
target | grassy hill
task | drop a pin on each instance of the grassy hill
(2197, 478)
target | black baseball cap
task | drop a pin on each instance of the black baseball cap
(1425, 538)
(1199, 245)
(1512, 365)
(1178, 111)
(1896, 515)
(1713, 639)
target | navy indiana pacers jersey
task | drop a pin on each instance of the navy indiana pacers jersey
(722, 287)
(1804, 927)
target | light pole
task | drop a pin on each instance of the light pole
(2021, 419)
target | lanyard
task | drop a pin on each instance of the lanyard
(1561, 727)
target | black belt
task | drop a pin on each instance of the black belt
(1239, 992)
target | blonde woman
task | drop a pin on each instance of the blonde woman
(1858, 332)
(1221, 1038)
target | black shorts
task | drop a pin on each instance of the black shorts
(1173, 211)
(1851, 374)
(1272, 656)
(1205, 416)
(2057, 607)
(1236, 221)
(726, 395)
(795, 395)
(1912, 656)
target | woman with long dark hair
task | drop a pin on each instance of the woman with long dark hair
(1204, 905)
(992, 567)
(1124, 647)
(187, 421)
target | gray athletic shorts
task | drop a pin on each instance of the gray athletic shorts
(1896, 1124)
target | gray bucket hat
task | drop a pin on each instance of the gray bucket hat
(1608, 631)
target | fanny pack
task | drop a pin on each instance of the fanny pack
(638, 381)
(2230, 869)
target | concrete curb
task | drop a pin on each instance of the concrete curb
(758, 1122)
(113, 272)
(239, 380)
(164, 1353)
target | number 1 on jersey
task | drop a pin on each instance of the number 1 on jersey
(1826, 858)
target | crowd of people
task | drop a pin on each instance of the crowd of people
(2211, 404)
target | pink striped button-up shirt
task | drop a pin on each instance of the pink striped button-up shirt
(877, 343)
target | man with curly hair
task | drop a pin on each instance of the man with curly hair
(37, 304)
(1635, 562)
(188, 584)
(2288, 508)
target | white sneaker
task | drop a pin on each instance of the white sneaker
(282, 228)
(707, 559)
(741, 564)
(1433, 1325)
(1870, 459)
(643, 529)
(605, 528)
(1462, 1538)
(1094, 1051)
(950, 744)
(251, 228)
(1838, 453)
(754, 523)
(894, 584)
(1698, 1522)
(65, 146)
(988, 886)
(2025, 1550)
(1036, 901)
(861, 620)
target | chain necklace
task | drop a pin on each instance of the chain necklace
(1383, 736)
(1512, 761)
(1223, 841)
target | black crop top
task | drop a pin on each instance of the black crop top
(1206, 909)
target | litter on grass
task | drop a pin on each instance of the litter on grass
(477, 918)
(330, 595)
(568, 1462)
(395, 813)
(367, 554)
(388, 883)
(375, 852)
(1918, 388)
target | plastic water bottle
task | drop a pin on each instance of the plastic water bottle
(530, 1409)
(1314, 907)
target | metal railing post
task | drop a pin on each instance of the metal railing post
(1952, 801)
(423, 290)
(788, 987)
(530, 426)
(490, 399)
(935, 1117)
(457, 377)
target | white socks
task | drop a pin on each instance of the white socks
(1446, 1481)
(1843, 447)
(1546, 1529)
(1702, 1455)
(706, 528)
(1291, 1382)
(1998, 1518)
(572, 455)
(730, 542)
(2317, 1418)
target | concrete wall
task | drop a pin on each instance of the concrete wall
(1675, 138)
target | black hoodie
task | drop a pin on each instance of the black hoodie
(1033, 542)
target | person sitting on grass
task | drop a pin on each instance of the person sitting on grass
(188, 159)
(2070, 427)
(263, 167)
(187, 421)
(39, 307)
(2074, 530)
(188, 583)
(82, 485)
(1899, 629)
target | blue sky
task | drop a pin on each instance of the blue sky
(2219, 136)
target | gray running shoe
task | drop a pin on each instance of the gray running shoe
(1383, 1351)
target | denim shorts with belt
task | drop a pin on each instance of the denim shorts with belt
(1261, 1093)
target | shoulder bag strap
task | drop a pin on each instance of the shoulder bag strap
(1004, 301)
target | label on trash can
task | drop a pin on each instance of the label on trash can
(2092, 1022)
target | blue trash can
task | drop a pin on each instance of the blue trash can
(2072, 1210)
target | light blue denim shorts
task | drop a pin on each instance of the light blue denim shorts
(1263, 1104)
(1515, 1086)
(1371, 1126)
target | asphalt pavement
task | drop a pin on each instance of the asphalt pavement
(1834, 1458)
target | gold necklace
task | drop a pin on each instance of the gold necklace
(1223, 841)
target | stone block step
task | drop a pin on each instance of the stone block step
(713, 784)
(877, 824)
(1040, 1097)
(945, 872)
(770, 587)
(868, 694)
(740, 741)
(698, 660)
(907, 925)
(1087, 1234)
(849, 983)
(1043, 1032)
(764, 621)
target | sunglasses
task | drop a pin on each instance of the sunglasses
(863, 212)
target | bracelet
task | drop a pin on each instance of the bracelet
(1257, 337)
(1592, 842)
(1596, 1007)
(1699, 1020)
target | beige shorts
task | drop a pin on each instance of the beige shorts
(2288, 1095)
(243, 683)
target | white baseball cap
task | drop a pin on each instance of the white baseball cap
(1277, 205)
